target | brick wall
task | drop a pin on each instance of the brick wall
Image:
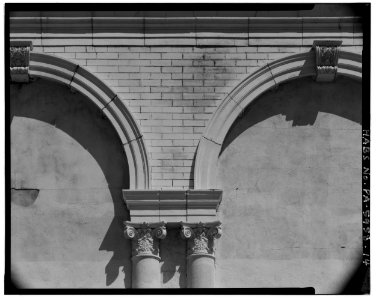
(172, 73)
(172, 93)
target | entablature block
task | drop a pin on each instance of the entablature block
(173, 206)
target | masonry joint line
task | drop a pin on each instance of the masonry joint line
(270, 70)
(92, 30)
(186, 205)
(135, 139)
(74, 74)
(112, 99)
(211, 141)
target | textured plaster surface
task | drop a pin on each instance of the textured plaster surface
(290, 170)
(70, 233)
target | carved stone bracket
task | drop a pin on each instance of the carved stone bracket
(19, 60)
(327, 53)
(145, 237)
(201, 237)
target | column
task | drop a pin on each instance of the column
(200, 252)
(145, 252)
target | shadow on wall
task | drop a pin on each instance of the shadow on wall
(84, 122)
(300, 102)
(192, 172)
(307, 98)
(173, 256)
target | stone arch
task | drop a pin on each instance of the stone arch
(78, 78)
(266, 78)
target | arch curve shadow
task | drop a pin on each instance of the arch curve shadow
(72, 113)
(302, 111)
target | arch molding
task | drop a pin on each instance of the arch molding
(264, 79)
(80, 79)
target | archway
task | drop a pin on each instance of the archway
(290, 171)
(78, 78)
(268, 77)
(72, 155)
(286, 154)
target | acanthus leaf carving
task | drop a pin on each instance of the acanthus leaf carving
(145, 237)
(327, 53)
(19, 53)
(201, 237)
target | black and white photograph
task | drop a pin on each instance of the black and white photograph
(187, 148)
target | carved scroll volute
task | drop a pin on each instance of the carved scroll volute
(327, 53)
(19, 52)
(145, 237)
(201, 237)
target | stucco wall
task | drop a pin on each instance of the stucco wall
(290, 169)
(290, 165)
(70, 234)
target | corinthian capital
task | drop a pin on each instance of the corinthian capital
(19, 52)
(145, 237)
(201, 237)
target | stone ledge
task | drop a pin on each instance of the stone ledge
(172, 206)
(185, 32)
(179, 25)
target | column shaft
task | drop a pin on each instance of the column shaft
(145, 253)
(145, 272)
(200, 259)
(201, 271)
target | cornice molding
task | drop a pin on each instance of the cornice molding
(149, 31)
(172, 206)
(67, 24)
